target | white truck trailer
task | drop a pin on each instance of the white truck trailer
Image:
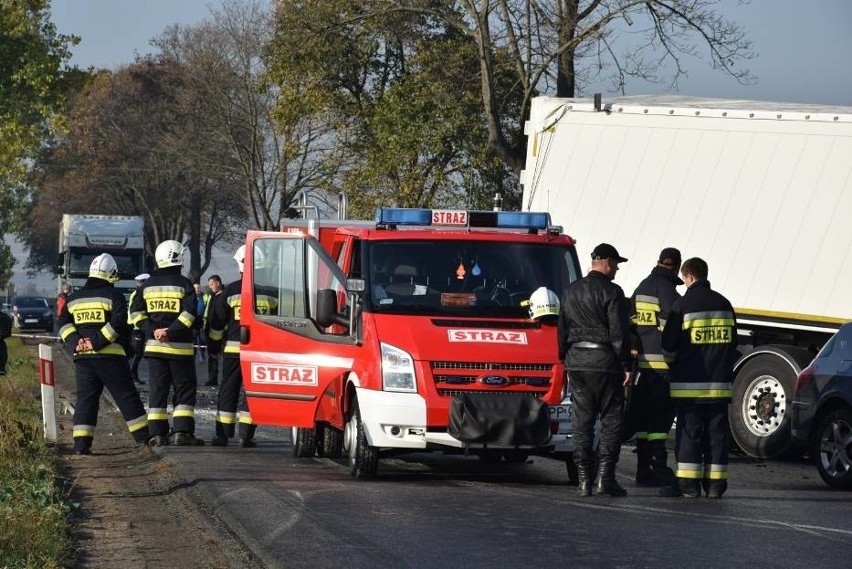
(761, 191)
(83, 237)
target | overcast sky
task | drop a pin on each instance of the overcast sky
(803, 50)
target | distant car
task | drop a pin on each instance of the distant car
(33, 313)
(822, 409)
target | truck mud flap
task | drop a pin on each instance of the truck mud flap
(505, 419)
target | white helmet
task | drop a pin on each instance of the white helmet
(240, 257)
(543, 304)
(169, 254)
(103, 267)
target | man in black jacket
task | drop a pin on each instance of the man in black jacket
(651, 407)
(593, 340)
(702, 332)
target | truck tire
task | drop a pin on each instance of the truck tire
(304, 442)
(363, 458)
(762, 395)
(330, 442)
(833, 449)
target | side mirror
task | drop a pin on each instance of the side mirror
(60, 265)
(327, 309)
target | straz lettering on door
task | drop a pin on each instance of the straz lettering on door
(487, 336)
(162, 304)
(283, 374)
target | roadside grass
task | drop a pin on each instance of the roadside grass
(34, 511)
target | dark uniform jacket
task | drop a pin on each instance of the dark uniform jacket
(702, 331)
(166, 300)
(96, 311)
(651, 304)
(224, 317)
(593, 325)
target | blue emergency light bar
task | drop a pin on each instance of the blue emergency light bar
(532, 221)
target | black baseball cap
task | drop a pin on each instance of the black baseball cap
(669, 256)
(607, 251)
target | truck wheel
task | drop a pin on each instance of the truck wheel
(304, 442)
(834, 449)
(330, 442)
(363, 458)
(763, 390)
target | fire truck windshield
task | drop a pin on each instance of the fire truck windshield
(476, 278)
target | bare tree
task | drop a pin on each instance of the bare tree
(560, 45)
(270, 163)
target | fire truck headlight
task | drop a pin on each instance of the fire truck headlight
(397, 370)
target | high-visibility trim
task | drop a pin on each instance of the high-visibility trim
(91, 303)
(232, 347)
(689, 470)
(716, 471)
(138, 423)
(158, 414)
(707, 322)
(657, 436)
(216, 334)
(701, 390)
(66, 331)
(226, 418)
(642, 436)
(83, 431)
(163, 291)
(245, 418)
(705, 314)
(701, 394)
(653, 361)
(109, 332)
(108, 350)
(186, 318)
(648, 299)
(136, 317)
(652, 306)
(169, 348)
(184, 411)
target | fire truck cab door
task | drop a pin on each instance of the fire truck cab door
(292, 366)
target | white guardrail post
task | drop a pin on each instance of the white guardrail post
(48, 398)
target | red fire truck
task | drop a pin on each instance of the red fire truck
(407, 333)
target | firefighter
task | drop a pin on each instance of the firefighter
(702, 332)
(137, 340)
(225, 329)
(651, 406)
(593, 339)
(94, 328)
(164, 309)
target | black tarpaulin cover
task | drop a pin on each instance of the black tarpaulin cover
(499, 419)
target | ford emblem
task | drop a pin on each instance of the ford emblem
(494, 380)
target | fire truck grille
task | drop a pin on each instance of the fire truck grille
(454, 392)
(453, 378)
(485, 367)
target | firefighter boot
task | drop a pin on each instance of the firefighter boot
(584, 480)
(643, 463)
(606, 483)
(681, 487)
(247, 435)
(661, 475)
(184, 439)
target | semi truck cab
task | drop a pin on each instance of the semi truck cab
(408, 333)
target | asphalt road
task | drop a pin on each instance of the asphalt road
(430, 510)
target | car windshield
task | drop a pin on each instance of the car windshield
(31, 302)
(469, 278)
(129, 263)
